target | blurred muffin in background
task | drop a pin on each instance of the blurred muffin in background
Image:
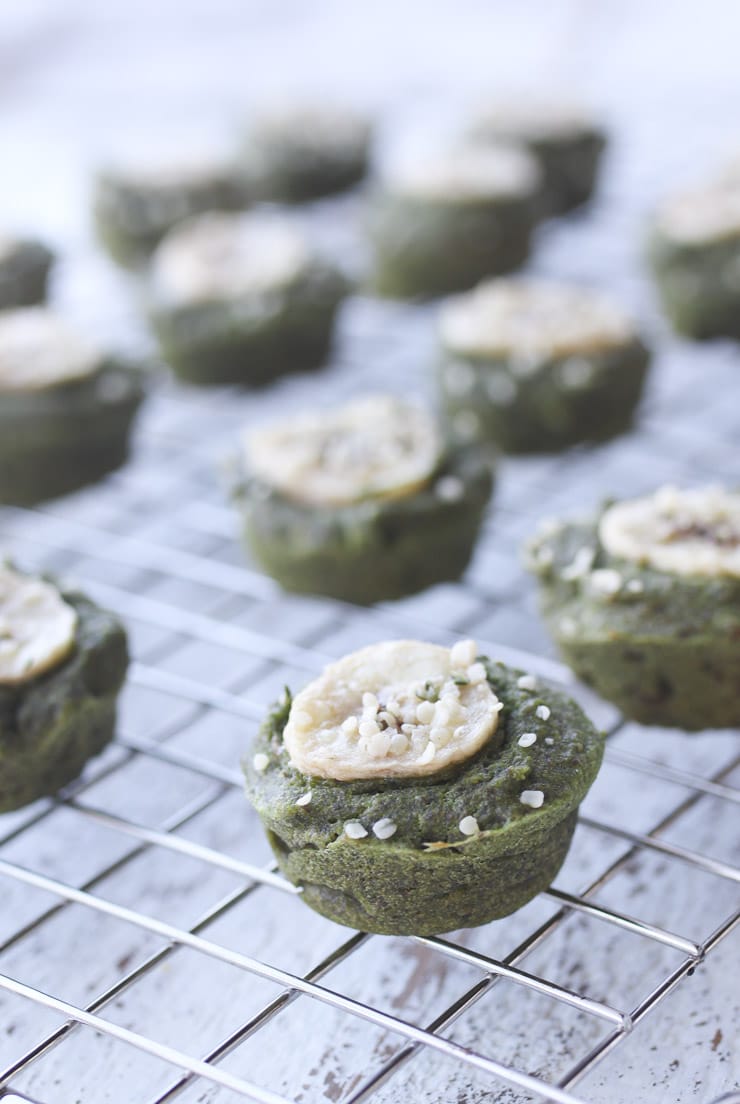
(24, 270)
(66, 407)
(62, 663)
(137, 200)
(441, 221)
(242, 299)
(364, 502)
(694, 251)
(566, 141)
(303, 150)
(533, 366)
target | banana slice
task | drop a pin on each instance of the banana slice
(374, 447)
(703, 215)
(683, 532)
(223, 256)
(38, 351)
(513, 317)
(398, 709)
(37, 627)
(465, 173)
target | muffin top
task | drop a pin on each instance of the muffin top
(512, 316)
(221, 256)
(374, 447)
(310, 127)
(8, 246)
(39, 351)
(532, 120)
(160, 171)
(398, 709)
(702, 215)
(466, 173)
(37, 627)
(678, 531)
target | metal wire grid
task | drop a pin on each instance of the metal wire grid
(58, 536)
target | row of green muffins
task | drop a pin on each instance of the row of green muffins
(245, 298)
(546, 165)
(523, 365)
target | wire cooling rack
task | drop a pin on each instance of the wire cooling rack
(149, 950)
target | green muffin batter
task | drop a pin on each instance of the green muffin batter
(450, 848)
(662, 644)
(52, 722)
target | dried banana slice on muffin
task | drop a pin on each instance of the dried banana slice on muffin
(37, 627)
(242, 299)
(364, 502)
(694, 250)
(400, 709)
(66, 409)
(414, 789)
(62, 663)
(535, 366)
(644, 603)
(441, 221)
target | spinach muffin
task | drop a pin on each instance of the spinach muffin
(536, 367)
(66, 408)
(24, 269)
(303, 151)
(644, 603)
(136, 201)
(242, 299)
(694, 251)
(566, 142)
(62, 663)
(364, 502)
(439, 223)
(414, 789)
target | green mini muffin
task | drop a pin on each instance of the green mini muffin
(135, 203)
(365, 502)
(242, 299)
(644, 604)
(24, 269)
(414, 789)
(62, 663)
(66, 409)
(566, 142)
(694, 251)
(304, 151)
(440, 223)
(536, 367)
